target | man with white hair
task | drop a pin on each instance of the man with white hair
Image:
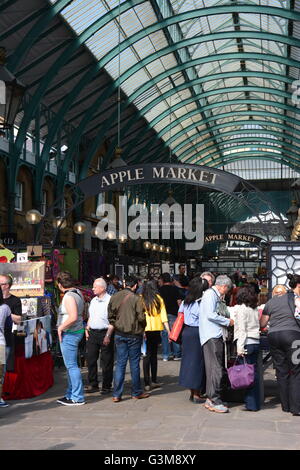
(209, 277)
(99, 336)
(211, 323)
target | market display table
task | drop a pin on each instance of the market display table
(31, 377)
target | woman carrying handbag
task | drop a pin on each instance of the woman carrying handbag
(246, 333)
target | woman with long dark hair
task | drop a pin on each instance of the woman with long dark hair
(246, 333)
(284, 338)
(192, 370)
(157, 319)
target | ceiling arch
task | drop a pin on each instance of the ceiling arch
(188, 71)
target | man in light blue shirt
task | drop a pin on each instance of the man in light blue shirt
(211, 338)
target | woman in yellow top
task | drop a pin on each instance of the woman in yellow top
(157, 319)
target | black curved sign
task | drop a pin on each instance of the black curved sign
(236, 237)
(210, 178)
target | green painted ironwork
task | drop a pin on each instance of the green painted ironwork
(147, 147)
(34, 32)
(137, 36)
(224, 125)
(204, 12)
(23, 23)
(216, 57)
(201, 80)
(4, 5)
(41, 58)
(249, 142)
(261, 156)
(211, 160)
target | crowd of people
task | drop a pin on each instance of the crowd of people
(126, 317)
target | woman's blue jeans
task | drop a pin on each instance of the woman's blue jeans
(69, 350)
(127, 348)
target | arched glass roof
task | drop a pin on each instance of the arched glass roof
(208, 81)
(188, 43)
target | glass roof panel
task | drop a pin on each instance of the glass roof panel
(259, 169)
(81, 14)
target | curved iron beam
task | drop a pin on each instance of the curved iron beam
(219, 76)
(216, 117)
(210, 160)
(259, 141)
(233, 158)
(198, 61)
(213, 118)
(30, 109)
(207, 38)
(264, 130)
(25, 45)
(244, 134)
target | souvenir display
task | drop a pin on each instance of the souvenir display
(28, 278)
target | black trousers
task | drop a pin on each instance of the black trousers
(150, 360)
(94, 346)
(286, 362)
(213, 351)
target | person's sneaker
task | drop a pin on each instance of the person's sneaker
(68, 402)
(147, 388)
(3, 404)
(219, 408)
(63, 400)
(177, 358)
(208, 404)
(165, 359)
(156, 385)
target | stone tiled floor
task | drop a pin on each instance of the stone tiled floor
(166, 420)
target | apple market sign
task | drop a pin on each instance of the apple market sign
(196, 175)
(236, 237)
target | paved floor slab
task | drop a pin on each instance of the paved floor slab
(165, 421)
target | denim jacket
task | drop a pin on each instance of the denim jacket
(210, 322)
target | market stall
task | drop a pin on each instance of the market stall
(32, 373)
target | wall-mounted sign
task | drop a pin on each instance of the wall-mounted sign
(204, 176)
(236, 237)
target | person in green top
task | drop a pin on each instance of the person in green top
(70, 332)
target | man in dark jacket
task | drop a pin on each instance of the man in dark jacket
(126, 314)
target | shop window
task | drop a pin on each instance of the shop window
(19, 196)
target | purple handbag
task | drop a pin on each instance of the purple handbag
(241, 375)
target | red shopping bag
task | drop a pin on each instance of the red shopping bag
(177, 328)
